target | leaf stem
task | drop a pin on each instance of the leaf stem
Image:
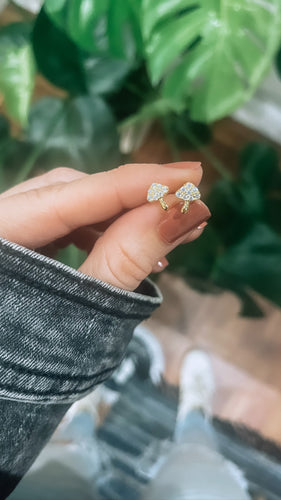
(173, 146)
(151, 110)
(159, 109)
(3, 146)
(213, 159)
(36, 151)
(2, 177)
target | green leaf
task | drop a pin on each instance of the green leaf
(57, 57)
(235, 207)
(183, 130)
(278, 62)
(79, 19)
(70, 68)
(4, 129)
(84, 131)
(110, 27)
(104, 75)
(259, 169)
(129, 98)
(17, 70)
(249, 305)
(210, 55)
(4, 144)
(198, 257)
(71, 256)
(123, 29)
(13, 153)
(259, 163)
(254, 262)
(273, 211)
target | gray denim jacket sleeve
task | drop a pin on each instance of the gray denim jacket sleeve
(61, 333)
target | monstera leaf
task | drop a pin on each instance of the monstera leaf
(17, 70)
(210, 55)
(108, 26)
(67, 66)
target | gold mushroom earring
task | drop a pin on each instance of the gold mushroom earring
(156, 193)
(188, 192)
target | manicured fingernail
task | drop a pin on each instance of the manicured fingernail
(201, 226)
(160, 265)
(174, 224)
(184, 164)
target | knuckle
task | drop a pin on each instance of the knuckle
(61, 174)
(121, 269)
(34, 195)
(111, 272)
(116, 177)
(56, 194)
(132, 265)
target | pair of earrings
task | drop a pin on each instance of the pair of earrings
(188, 192)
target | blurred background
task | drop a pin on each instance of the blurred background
(92, 84)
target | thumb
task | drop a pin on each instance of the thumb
(129, 249)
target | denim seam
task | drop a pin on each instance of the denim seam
(49, 400)
(75, 279)
(102, 375)
(72, 298)
(28, 371)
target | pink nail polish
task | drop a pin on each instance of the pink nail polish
(201, 226)
(160, 265)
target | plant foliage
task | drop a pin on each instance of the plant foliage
(184, 62)
(242, 247)
(110, 27)
(16, 69)
(210, 56)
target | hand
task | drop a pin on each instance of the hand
(105, 214)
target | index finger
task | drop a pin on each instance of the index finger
(104, 195)
(36, 217)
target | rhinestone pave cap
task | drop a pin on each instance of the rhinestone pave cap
(156, 191)
(188, 192)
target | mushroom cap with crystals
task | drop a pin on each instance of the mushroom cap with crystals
(156, 191)
(188, 192)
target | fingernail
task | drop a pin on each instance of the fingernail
(184, 164)
(160, 265)
(201, 226)
(174, 224)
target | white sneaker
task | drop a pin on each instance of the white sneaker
(197, 384)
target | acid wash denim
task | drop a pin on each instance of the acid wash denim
(61, 333)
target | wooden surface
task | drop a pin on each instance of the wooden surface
(245, 353)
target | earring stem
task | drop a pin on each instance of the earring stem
(185, 207)
(163, 204)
